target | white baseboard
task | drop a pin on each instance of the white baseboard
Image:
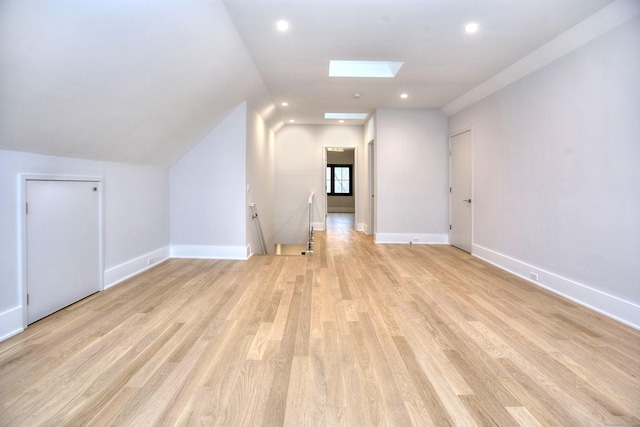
(340, 210)
(11, 323)
(209, 252)
(122, 272)
(413, 238)
(361, 226)
(623, 311)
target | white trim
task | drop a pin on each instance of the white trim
(606, 19)
(413, 238)
(209, 252)
(618, 309)
(128, 269)
(362, 226)
(318, 226)
(11, 323)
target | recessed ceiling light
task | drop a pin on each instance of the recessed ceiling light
(471, 27)
(282, 25)
(404, 96)
(346, 116)
(284, 104)
(357, 95)
(292, 121)
(340, 121)
(364, 68)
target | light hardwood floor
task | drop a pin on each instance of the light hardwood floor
(356, 334)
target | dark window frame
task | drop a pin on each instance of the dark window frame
(332, 166)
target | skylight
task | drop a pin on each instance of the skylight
(364, 68)
(346, 116)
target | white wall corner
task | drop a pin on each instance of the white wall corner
(412, 238)
(618, 309)
(209, 252)
(122, 272)
(11, 323)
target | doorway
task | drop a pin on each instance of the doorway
(62, 244)
(460, 200)
(340, 187)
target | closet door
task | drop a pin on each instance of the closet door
(62, 244)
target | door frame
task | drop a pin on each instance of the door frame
(354, 172)
(371, 181)
(469, 129)
(22, 279)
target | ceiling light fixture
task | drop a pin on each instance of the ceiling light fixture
(357, 95)
(282, 25)
(292, 121)
(285, 104)
(471, 27)
(404, 96)
(340, 121)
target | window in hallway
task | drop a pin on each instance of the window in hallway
(339, 180)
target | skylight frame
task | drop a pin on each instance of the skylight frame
(366, 69)
(346, 116)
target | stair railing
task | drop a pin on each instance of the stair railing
(310, 234)
(256, 220)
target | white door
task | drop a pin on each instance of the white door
(62, 244)
(460, 195)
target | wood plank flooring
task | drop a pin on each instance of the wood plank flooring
(356, 334)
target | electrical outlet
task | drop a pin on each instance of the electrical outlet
(150, 261)
(415, 239)
(533, 276)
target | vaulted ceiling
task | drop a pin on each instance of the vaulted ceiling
(143, 81)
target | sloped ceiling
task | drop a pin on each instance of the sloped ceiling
(136, 81)
(143, 81)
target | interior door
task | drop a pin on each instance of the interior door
(460, 193)
(62, 244)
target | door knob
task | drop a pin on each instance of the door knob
(467, 200)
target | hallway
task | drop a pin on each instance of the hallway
(356, 334)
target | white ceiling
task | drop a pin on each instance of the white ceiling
(143, 81)
(441, 61)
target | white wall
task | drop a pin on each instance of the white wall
(136, 220)
(119, 81)
(411, 176)
(556, 174)
(299, 171)
(208, 194)
(260, 179)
